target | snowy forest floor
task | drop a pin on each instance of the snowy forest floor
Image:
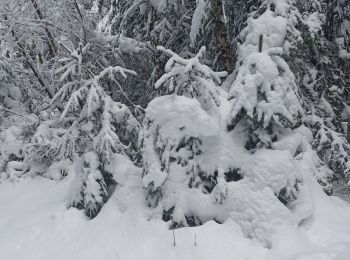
(35, 224)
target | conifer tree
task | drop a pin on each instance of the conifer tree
(264, 94)
(173, 128)
(335, 151)
(321, 77)
(99, 128)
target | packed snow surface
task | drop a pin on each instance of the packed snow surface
(35, 224)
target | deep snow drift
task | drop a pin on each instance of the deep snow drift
(35, 224)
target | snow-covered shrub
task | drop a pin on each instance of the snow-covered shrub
(99, 127)
(14, 145)
(58, 170)
(11, 141)
(333, 149)
(90, 187)
(173, 130)
(42, 143)
(264, 93)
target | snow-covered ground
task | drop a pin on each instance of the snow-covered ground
(35, 224)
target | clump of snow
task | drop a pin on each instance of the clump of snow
(180, 113)
(257, 211)
(314, 22)
(119, 166)
(59, 170)
(11, 141)
(275, 169)
(11, 153)
(272, 27)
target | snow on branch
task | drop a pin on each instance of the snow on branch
(89, 89)
(190, 76)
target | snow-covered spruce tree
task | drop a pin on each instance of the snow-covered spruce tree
(318, 67)
(266, 113)
(337, 30)
(173, 129)
(264, 93)
(191, 78)
(333, 149)
(337, 21)
(321, 77)
(99, 127)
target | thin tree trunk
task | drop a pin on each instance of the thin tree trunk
(223, 37)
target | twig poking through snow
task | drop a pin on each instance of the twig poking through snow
(174, 237)
(261, 38)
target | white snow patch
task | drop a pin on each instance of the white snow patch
(35, 224)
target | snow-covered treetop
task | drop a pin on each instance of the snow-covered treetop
(90, 99)
(190, 77)
(265, 86)
(276, 24)
(265, 91)
(181, 116)
(90, 89)
(80, 82)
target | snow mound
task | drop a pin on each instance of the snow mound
(179, 113)
(35, 224)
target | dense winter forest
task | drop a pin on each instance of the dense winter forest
(175, 129)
